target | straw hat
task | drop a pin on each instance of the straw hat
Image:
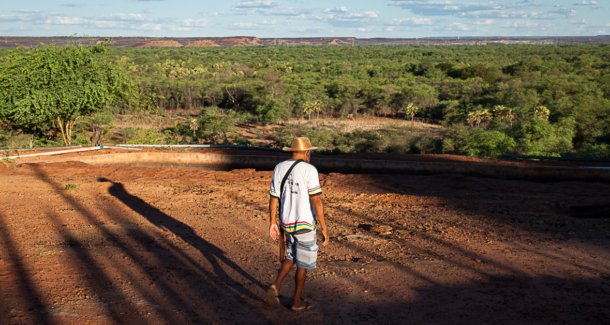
(300, 144)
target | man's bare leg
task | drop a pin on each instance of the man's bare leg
(282, 273)
(299, 283)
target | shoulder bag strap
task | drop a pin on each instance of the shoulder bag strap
(286, 177)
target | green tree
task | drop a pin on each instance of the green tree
(312, 106)
(503, 114)
(478, 142)
(410, 110)
(218, 125)
(542, 112)
(541, 138)
(52, 87)
(479, 117)
(273, 111)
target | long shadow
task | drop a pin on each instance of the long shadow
(540, 208)
(175, 288)
(495, 300)
(116, 304)
(212, 253)
(165, 261)
(36, 308)
(454, 248)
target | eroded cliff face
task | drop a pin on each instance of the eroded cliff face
(12, 42)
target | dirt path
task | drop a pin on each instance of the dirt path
(174, 246)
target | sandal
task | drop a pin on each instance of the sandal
(304, 306)
(272, 298)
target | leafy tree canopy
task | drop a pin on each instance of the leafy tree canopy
(52, 87)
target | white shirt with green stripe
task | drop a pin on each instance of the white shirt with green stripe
(296, 212)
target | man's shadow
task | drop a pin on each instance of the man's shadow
(212, 253)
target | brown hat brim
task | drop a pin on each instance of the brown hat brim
(291, 149)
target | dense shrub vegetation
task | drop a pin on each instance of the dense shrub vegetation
(535, 100)
(50, 88)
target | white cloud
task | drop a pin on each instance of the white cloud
(343, 17)
(193, 22)
(484, 22)
(507, 14)
(589, 3)
(443, 7)
(65, 20)
(148, 26)
(525, 24)
(22, 16)
(256, 4)
(412, 21)
(73, 5)
(526, 9)
(342, 9)
(251, 25)
(130, 17)
(107, 24)
(563, 11)
(285, 12)
(115, 21)
(268, 8)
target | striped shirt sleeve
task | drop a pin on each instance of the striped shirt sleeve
(313, 183)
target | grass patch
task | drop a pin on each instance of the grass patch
(70, 187)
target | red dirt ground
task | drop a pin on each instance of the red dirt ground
(174, 246)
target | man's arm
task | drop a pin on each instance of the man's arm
(316, 201)
(273, 210)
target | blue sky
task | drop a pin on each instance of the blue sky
(301, 18)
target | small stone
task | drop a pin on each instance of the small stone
(382, 229)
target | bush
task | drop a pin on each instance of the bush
(3, 137)
(321, 137)
(272, 112)
(539, 137)
(143, 136)
(402, 140)
(20, 141)
(599, 150)
(489, 143)
(357, 141)
(427, 144)
(478, 142)
(217, 125)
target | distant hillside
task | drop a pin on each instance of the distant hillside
(147, 42)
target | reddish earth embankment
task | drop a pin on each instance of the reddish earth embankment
(228, 159)
(81, 243)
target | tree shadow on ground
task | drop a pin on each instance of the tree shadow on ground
(496, 300)
(538, 208)
(137, 274)
(212, 253)
(26, 290)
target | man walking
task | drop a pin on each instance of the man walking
(295, 196)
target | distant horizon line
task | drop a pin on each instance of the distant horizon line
(306, 37)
